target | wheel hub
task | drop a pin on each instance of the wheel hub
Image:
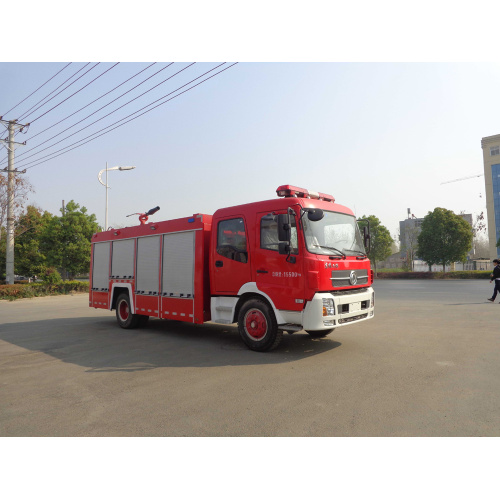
(255, 324)
(124, 311)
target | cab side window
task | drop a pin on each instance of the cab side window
(231, 240)
(269, 233)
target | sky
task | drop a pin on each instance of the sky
(380, 137)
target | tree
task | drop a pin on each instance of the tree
(29, 231)
(3, 250)
(395, 244)
(445, 238)
(481, 245)
(381, 240)
(66, 241)
(22, 188)
(409, 245)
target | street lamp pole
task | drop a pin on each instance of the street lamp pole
(107, 187)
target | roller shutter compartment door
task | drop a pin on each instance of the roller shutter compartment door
(122, 263)
(148, 265)
(178, 265)
(100, 266)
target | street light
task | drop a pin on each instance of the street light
(107, 187)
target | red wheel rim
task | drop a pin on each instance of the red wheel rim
(255, 324)
(123, 310)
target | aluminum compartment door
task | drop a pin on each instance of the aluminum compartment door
(100, 266)
(178, 264)
(122, 262)
(148, 265)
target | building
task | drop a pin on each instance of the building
(491, 160)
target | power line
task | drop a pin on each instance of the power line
(74, 93)
(44, 103)
(105, 116)
(37, 89)
(26, 113)
(67, 86)
(95, 100)
(160, 104)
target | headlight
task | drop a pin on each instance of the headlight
(328, 307)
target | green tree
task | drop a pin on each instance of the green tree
(67, 238)
(381, 240)
(29, 229)
(445, 238)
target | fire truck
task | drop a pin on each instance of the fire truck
(296, 262)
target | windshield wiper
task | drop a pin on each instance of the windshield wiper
(359, 252)
(331, 248)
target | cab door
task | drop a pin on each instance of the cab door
(230, 263)
(277, 275)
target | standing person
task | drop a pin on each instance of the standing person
(495, 276)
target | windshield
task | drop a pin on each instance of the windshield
(334, 234)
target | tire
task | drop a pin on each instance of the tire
(124, 314)
(258, 327)
(317, 334)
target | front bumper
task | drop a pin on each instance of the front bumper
(348, 308)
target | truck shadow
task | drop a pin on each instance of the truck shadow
(102, 346)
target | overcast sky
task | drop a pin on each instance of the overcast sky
(379, 137)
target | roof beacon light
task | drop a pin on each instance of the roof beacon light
(288, 191)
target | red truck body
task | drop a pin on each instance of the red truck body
(232, 267)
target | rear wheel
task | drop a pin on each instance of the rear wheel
(317, 334)
(124, 314)
(258, 327)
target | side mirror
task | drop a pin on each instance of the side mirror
(284, 228)
(366, 235)
(284, 248)
(315, 214)
(367, 239)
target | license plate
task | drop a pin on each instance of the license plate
(355, 306)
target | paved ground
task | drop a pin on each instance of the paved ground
(427, 365)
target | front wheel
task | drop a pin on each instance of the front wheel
(317, 334)
(124, 314)
(258, 327)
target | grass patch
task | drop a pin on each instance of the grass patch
(30, 290)
(452, 275)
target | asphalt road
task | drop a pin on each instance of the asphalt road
(428, 364)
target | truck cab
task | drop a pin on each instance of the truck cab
(292, 263)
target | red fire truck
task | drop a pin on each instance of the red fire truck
(296, 262)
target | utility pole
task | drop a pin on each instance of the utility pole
(11, 126)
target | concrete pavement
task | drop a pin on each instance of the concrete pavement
(427, 365)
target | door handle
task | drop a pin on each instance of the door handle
(262, 271)
(219, 263)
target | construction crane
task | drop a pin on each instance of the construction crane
(463, 178)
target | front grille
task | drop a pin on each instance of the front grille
(348, 292)
(343, 278)
(353, 318)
